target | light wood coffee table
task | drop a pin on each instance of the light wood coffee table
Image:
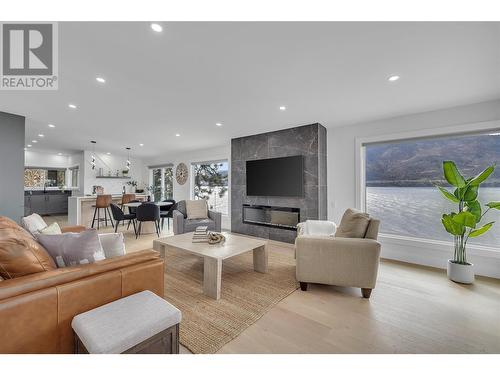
(213, 255)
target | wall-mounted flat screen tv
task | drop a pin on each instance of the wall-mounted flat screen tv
(281, 177)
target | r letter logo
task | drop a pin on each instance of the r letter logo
(29, 56)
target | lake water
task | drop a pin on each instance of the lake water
(416, 212)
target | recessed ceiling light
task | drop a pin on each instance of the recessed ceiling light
(52, 126)
(29, 145)
(156, 27)
(72, 106)
(100, 80)
(282, 108)
(108, 153)
(34, 141)
(218, 124)
(141, 144)
(177, 135)
(393, 78)
(59, 153)
(41, 135)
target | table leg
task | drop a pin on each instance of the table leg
(212, 274)
(260, 259)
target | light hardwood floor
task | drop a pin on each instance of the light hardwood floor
(413, 309)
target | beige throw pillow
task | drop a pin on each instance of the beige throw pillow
(354, 224)
(197, 209)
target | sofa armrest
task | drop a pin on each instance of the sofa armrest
(337, 261)
(178, 222)
(217, 218)
(73, 229)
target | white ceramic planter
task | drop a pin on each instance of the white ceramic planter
(461, 273)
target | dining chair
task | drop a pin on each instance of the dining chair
(119, 215)
(167, 211)
(148, 211)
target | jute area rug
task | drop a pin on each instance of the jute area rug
(246, 295)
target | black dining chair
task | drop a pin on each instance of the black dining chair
(133, 210)
(118, 215)
(148, 211)
(166, 212)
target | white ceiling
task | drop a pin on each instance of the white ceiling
(193, 75)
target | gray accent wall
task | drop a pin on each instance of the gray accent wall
(11, 166)
(309, 141)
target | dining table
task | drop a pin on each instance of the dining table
(148, 227)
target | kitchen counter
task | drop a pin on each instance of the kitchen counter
(81, 212)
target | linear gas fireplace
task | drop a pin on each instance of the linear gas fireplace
(270, 216)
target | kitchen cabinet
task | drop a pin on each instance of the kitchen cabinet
(46, 203)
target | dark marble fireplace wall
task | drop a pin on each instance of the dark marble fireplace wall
(309, 141)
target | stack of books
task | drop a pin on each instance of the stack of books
(200, 234)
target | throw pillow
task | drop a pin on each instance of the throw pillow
(69, 249)
(20, 254)
(320, 228)
(354, 224)
(197, 209)
(51, 229)
(112, 244)
(33, 223)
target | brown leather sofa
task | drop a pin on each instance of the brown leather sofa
(36, 309)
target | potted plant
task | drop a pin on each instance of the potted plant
(133, 185)
(465, 223)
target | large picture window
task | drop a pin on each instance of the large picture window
(401, 177)
(210, 182)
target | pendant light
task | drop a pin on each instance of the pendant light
(92, 162)
(127, 163)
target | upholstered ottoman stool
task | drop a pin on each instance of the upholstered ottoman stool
(138, 324)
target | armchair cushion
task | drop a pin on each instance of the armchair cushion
(337, 261)
(354, 224)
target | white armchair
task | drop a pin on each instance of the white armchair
(338, 260)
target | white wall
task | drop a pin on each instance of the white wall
(111, 163)
(342, 175)
(182, 192)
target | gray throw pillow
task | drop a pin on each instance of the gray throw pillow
(181, 207)
(354, 224)
(69, 249)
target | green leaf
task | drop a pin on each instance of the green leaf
(452, 174)
(448, 195)
(474, 208)
(495, 205)
(465, 218)
(480, 231)
(481, 177)
(451, 226)
(470, 193)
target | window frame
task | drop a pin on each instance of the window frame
(436, 132)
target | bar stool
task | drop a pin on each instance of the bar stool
(127, 198)
(102, 202)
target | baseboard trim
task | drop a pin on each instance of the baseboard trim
(436, 254)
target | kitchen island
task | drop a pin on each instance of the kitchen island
(81, 212)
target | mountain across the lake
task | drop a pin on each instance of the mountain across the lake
(419, 162)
